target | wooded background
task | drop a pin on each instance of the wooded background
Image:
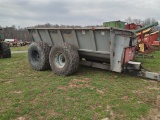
(14, 32)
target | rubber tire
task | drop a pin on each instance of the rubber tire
(38, 56)
(5, 51)
(71, 59)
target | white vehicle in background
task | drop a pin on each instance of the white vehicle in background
(11, 42)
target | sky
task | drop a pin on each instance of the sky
(26, 13)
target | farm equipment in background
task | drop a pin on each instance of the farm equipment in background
(157, 42)
(145, 37)
(132, 26)
(11, 42)
(115, 24)
(158, 37)
(5, 51)
(150, 40)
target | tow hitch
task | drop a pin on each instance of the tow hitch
(135, 68)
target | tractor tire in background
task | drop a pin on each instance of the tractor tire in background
(5, 51)
(64, 59)
(38, 56)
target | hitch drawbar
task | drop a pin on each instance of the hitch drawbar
(135, 68)
(150, 75)
(132, 68)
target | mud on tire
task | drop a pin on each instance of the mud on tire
(64, 59)
(5, 51)
(38, 55)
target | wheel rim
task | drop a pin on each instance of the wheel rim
(35, 55)
(59, 60)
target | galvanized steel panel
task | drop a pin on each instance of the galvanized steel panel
(85, 42)
(55, 36)
(104, 44)
(45, 36)
(67, 36)
(35, 35)
(102, 38)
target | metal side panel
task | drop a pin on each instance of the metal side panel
(112, 46)
(86, 39)
(102, 38)
(76, 43)
(69, 36)
(117, 53)
(92, 39)
(45, 36)
(35, 35)
(56, 36)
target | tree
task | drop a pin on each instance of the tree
(13, 33)
(136, 21)
(145, 22)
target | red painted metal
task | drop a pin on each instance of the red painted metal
(150, 39)
(132, 26)
(129, 54)
(156, 43)
(147, 40)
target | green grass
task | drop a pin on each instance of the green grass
(152, 64)
(90, 94)
(20, 48)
